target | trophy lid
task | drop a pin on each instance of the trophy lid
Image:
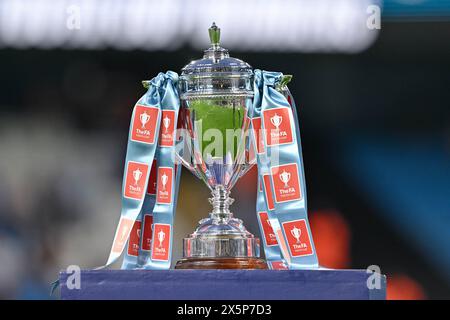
(217, 72)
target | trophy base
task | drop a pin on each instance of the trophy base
(222, 263)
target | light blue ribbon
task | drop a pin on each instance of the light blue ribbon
(162, 94)
(266, 97)
(164, 213)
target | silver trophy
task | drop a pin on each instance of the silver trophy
(215, 92)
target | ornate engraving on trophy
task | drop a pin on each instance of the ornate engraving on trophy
(286, 183)
(277, 123)
(144, 124)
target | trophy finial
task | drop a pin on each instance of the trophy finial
(214, 35)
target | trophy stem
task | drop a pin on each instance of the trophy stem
(221, 241)
(221, 202)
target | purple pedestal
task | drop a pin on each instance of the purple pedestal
(223, 285)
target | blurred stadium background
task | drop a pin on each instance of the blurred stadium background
(374, 114)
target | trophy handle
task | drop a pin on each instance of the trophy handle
(146, 84)
(284, 81)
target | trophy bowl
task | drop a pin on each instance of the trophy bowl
(215, 92)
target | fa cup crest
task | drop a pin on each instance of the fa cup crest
(144, 118)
